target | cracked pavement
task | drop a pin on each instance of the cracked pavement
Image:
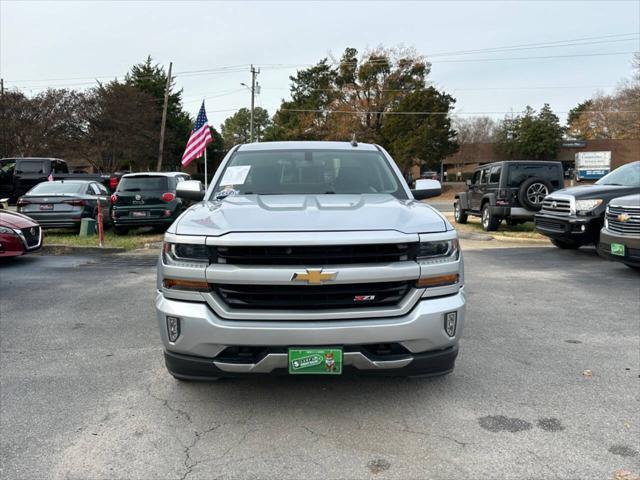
(84, 393)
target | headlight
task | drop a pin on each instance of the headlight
(7, 230)
(186, 255)
(440, 251)
(584, 206)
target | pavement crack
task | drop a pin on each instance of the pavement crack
(435, 435)
(166, 404)
(189, 463)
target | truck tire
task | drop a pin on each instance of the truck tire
(565, 244)
(490, 223)
(459, 214)
(532, 192)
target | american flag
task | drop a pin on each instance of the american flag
(199, 139)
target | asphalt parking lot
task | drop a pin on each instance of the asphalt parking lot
(546, 385)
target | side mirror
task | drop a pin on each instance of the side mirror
(426, 188)
(468, 182)
(190, 190)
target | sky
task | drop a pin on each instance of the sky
(73, 44)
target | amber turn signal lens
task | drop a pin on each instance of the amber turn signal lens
(190, 285)
(439, 281)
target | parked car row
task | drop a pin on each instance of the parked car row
(140, 200)
(19, 175)
(605, 214)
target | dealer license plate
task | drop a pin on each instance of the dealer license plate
(139, 214)
(315, 361)
(617, 249)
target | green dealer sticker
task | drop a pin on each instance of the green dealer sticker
(617, 249)
(315, 361)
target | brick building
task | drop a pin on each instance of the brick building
(470, 155)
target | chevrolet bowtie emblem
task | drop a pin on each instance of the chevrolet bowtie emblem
(314, 276)
(623, 217)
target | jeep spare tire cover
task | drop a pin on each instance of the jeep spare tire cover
(532, 192)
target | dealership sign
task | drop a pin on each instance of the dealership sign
(592, 165)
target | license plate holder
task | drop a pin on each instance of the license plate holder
(139, 214)
(618, 249)
(315, 361)
(46, 206)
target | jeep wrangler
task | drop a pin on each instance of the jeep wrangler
(511, 190)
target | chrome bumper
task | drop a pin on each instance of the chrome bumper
(205, 334)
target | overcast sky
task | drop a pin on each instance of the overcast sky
(73, 43)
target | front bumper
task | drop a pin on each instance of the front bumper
(577, 229)
(631, 244)
(204, 335)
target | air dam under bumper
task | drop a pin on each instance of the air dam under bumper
(203, 336)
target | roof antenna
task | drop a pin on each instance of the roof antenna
(354, 142)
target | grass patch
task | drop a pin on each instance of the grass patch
(525, 230)
(135, 239)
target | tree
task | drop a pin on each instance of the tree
(421, 137)
(121, 128)
(332, 102)
(531, 136)
(151, 79)
(48, 124)
(236, 129)
(302, 118)
(475, 130)
(614, 116)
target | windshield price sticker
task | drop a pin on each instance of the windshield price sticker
(235, 175)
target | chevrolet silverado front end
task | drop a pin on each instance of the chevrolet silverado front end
(309, 257)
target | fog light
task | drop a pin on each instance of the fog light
(450, 323)
(583, 228)
(173, 328)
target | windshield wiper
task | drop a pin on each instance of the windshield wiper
(131, 190)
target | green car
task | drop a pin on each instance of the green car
(146, 200)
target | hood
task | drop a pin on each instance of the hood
(597, 191)
(15, 220)
(627, 201)
(291, 213)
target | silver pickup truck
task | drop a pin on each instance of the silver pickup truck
(309, 258)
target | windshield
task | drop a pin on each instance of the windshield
(50, 188)
(147, 182)
(308, 172)
(627, 175)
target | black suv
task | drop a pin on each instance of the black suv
(574, 216)
(146, 200)
(510, 190)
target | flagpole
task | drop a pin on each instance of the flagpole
(206, 177)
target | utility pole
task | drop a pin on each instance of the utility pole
(164, 118)
(254, 72)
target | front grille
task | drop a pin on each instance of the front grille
(31, 235)
(315, 255)
(552, 225)
(631, 215)
(555, 206)
(294, 297)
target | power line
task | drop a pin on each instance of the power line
(351, 112)
(550, 44)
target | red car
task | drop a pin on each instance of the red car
(18, 234)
